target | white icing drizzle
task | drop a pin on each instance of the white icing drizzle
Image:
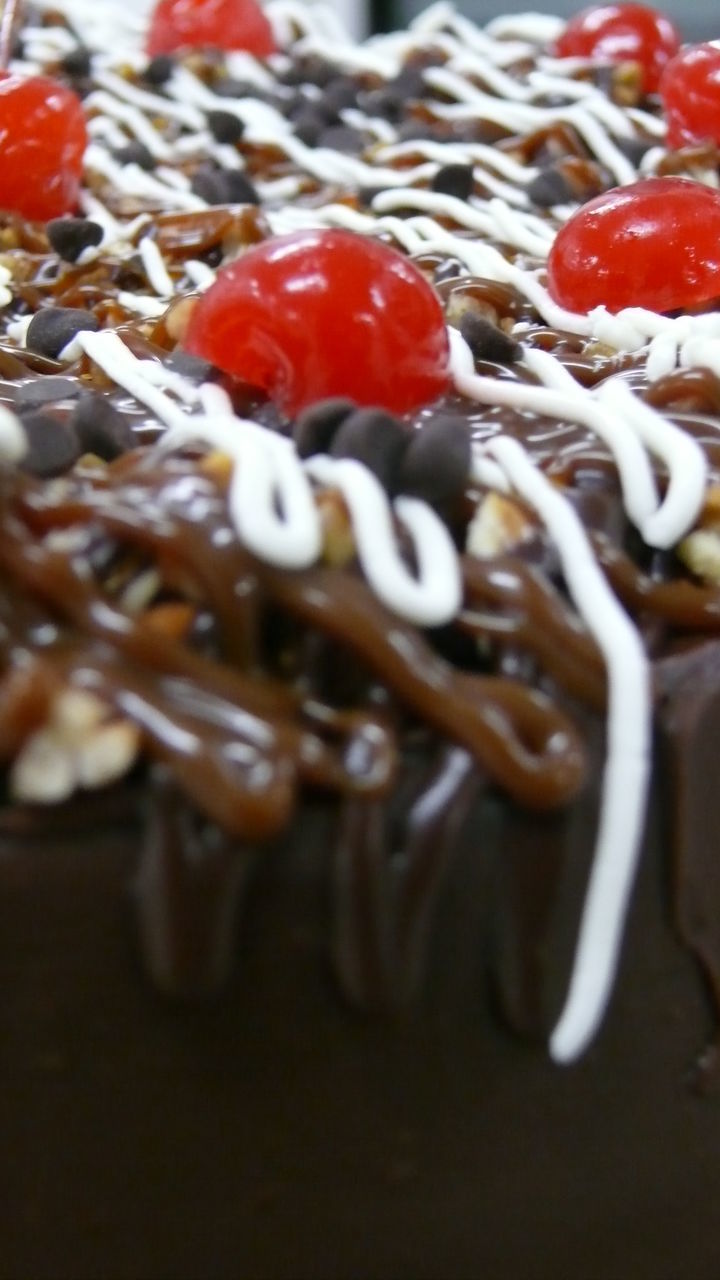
(270, 496)
(627, 768)
(155, 269)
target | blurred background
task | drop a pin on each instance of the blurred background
(695, 19)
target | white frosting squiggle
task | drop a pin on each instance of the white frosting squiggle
(271, 500)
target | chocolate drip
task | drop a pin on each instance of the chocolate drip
(188, 892)
(386, 888)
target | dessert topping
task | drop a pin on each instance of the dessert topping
(224, 24)
(652, 244)
(325, 313)
(690, 90)
(622, 33)
(42, 143)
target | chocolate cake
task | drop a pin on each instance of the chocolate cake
(359, 878)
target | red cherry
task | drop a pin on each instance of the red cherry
(653, 244)
(690, 90)
(225, 24)
(622, 33)
(325, 313)
(42, 143)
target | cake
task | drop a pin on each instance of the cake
(361, 688)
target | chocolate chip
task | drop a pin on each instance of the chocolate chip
(47, 390)
(454, 180)
(224, 186)
(159, 69)
(409, 83)
(53, 446)
(375, 438)
(228, 87)
(53, 328)
(225, 127)
(194, 368)
(77, 63)
(308, 124)
(342, 137)
(385, 103)
(316, 426)
(339, 94)
(436, 463)
(69, 236)
(549, 187)
(101, 428)
(135, 153)
(487, 342)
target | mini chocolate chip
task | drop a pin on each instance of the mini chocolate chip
(342, 137)
(339, 94)
(47, 390)
(634, 148)
(375, 438)
(192, 367)
(77, 63)
(316, 426)
(53, 446)
(308, 124)
(366, 195)
(225, 127)
(436, 463)
(53, 328)
(550, 187)
(454, 180)
(224, 186)
(69, 236)
(315, 70)
(228, 87)
(101, 428)
(135, 153)
(383, 102)
(409, 83)
(159, 69)
(487, 341)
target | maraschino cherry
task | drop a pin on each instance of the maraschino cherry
(42, 138)
(325, 313)
(690, 91)
(622, 33)
(653, 244)
(225, 24)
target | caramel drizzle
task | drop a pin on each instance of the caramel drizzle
(524, 742)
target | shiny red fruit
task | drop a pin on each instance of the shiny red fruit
(325, 313)
(622, 33)
(653, 244)
(690, 90)
(42, 143)
(225, 24)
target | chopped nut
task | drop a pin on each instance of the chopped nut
(75, 711)
(338, 540)
(44, 771)
(139, 592)
(498, 525)
(218, 467)
(700, 551)
(711, 511)
(78, 746)
(460, 304)
(107, 754)
(173, 618)
(177, 316)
